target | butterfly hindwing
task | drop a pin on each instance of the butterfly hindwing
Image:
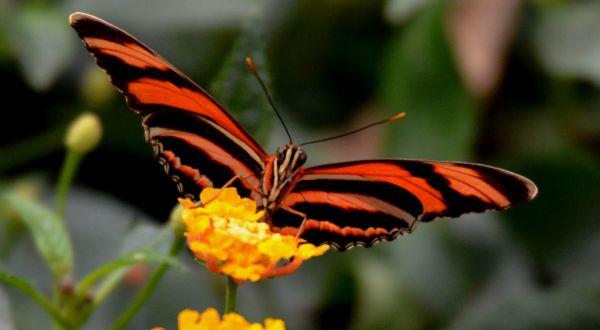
(197, 142)
(363, 202)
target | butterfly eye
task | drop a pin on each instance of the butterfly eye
(281, 154)
(301, 157)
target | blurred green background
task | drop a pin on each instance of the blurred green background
(509, 83)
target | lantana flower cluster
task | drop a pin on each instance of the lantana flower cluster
(226, 234)
(210, 320)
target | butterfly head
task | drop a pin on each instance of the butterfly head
(290, 158)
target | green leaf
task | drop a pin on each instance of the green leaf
(238, 90)
(570, 308)
(28, 289)
(49, 234)
(138, 257)
(421, 79)
(114, 271)
(42, 41)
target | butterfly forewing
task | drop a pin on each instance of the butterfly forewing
(364, 202)
(198, 143)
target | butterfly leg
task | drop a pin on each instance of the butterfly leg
(228, 184)
(300, 214)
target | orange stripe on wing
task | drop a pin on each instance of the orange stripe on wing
(469, 182)
(430, 197)
(348, 202)
(371, 169)
(217, 153)
(332, 234)
(156, 91)
(129, 53)
(150, 91)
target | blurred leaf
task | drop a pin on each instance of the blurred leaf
(569, 308)
(566, 209)
(42, 42)
(567, 40)
(49, 234)
(12, 228)
(134, 258)
(28, 289)
(421, 78)
(238, 90)
(398, 11)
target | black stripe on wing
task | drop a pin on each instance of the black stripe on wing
(182, 121)
(349, 212)
(190, 158)
(324, 232)
(515, 188)
(383, 191)
(197, 154)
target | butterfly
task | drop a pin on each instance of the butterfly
(356, 203)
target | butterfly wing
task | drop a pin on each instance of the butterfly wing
(197, 142)
(364, 202)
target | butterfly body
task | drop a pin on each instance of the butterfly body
(359, 203)
(282, 171)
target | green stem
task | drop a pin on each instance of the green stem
(230, 295)
(114, 278)
(26, 288)
(142, 297)
(86, 283)
(111, 282)
(67, 174)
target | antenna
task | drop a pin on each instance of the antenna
(250, 65)
(392, 118)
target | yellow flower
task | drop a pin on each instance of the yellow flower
(210, 320)
(227, 235)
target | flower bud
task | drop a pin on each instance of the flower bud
(84, 133)
(96, 90)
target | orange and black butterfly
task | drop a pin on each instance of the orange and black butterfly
(199, 145)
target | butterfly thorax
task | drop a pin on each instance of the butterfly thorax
(281, 173)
